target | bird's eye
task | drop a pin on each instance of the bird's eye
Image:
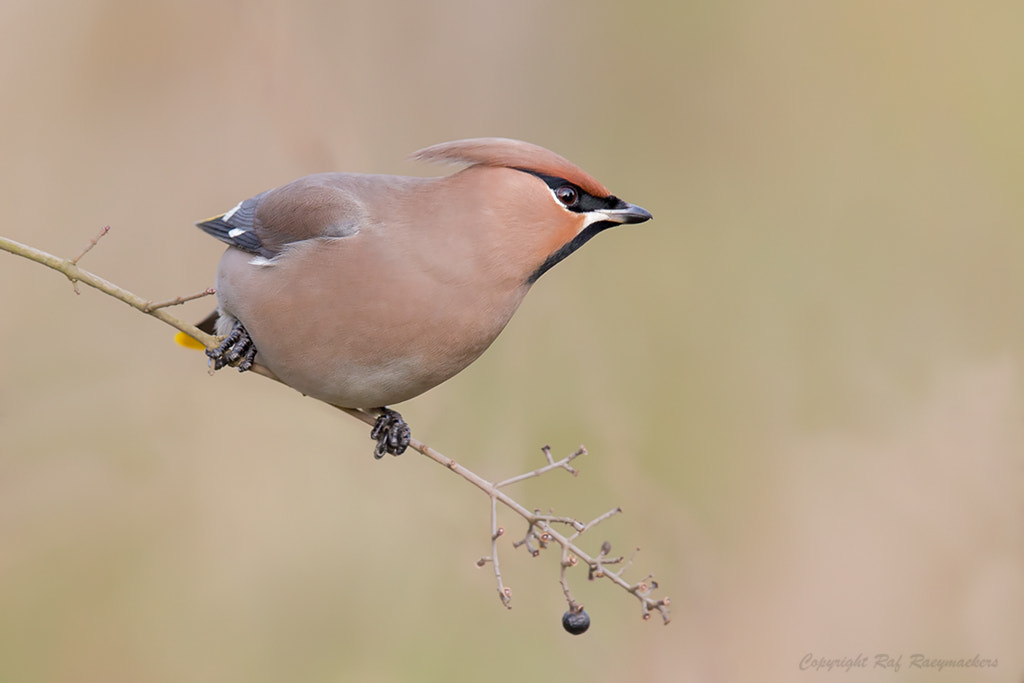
(568, 195)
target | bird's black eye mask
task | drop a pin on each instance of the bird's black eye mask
(573, 197)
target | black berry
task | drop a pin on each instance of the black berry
(576, 622)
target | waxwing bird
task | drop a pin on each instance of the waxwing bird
(367, 290)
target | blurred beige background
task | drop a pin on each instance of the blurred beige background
(802, 381)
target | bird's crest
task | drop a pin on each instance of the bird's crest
(512, 154)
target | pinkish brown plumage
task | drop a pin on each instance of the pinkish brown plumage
(367, 290)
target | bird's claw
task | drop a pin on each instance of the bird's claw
(391, 432)
(237, 350)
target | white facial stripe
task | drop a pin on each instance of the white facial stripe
(592, 217)
(589, 217)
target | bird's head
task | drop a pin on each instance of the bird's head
(545, 206)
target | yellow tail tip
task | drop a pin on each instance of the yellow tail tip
(188, 342)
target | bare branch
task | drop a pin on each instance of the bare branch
(539, 530)
(76, 274)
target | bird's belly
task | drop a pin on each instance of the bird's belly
(361, 341)
(344, 375)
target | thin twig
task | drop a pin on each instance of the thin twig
(569, 521)
(629, 562)
(504, 593)
(568, 561)
(178, 300)
(552, 465)
(92, 243)
(594, 522)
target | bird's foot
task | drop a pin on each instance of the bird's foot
(391, 433)
(237, 350)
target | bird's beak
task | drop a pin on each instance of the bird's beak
(627, 213)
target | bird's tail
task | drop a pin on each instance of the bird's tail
(207, 325)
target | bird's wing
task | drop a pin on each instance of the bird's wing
(316, 206)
